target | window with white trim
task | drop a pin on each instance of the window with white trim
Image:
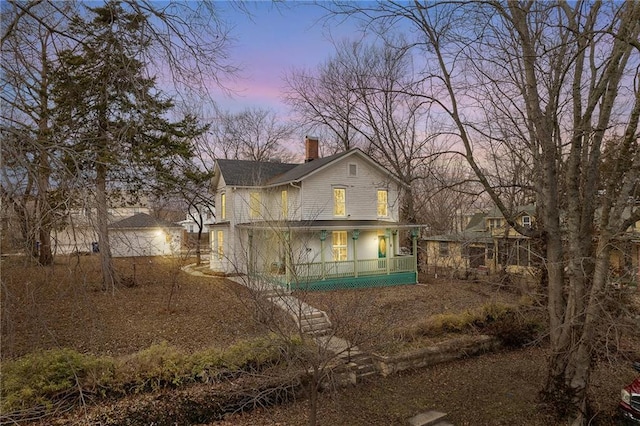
(339, 245)
(526, 221)
(340, 202)
(223, 206)
(352, 169)
(383, 209)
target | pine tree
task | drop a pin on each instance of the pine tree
(116, 119)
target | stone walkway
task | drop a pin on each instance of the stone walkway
(352, 364)
(311, 321)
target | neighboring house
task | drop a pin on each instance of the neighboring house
(78, 233)
(144, 235)
(191, 226)
(327, 223)
(488, 244)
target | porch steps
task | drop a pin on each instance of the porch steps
(311, 321)
(359, 364)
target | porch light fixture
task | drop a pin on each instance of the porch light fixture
(355, 234)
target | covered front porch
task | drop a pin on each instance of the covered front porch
(327, 255)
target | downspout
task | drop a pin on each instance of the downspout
(299, 188)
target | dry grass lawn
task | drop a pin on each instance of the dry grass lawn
(63, 306)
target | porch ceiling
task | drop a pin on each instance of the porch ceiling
(327, 225)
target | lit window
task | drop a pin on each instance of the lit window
(254, 205)
(285, 204)
(382, 203)
(339, 202)
(223, 206)
(220, 245)
(526, 221)
(339, 240)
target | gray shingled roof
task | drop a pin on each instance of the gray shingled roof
(304, 169)
(261, 173)
(251, 173)
(143, 220)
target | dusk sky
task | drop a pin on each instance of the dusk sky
(271, 42)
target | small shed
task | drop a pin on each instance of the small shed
(144, 235)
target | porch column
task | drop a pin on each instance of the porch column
(414, 240)
(354, 235)
(387, 237)
(250, 267)
(287, 258)
(323, 237)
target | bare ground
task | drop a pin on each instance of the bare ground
(63, 306)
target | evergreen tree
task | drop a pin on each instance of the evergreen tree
(116, 119)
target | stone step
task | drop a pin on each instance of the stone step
(313, 315)
(428, 418)
(315, 326)
(317, 320)
(318, 333)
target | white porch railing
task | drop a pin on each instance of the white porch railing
(350, 268)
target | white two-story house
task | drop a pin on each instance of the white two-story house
(329, 222)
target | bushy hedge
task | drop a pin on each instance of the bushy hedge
(41, 380)
(514, 325)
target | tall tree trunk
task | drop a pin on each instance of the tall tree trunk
(109, 277)
(44, 215)
(198, 251)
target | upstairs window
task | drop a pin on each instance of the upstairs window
(223, 206)
(383, 210)
(339, 245)
(254, 205)
(339, 202)
(526, 221)
(352, 170)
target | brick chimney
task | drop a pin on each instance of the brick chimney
(311, 148)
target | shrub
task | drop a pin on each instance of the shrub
(513, 325)
(41, 380)
(156, 367)
(517, 328)
(258, 353)
(45, 378)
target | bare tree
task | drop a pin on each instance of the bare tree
(184, 44)
(32, 172)
(255, 134)
(565, 78)
(325, 98)
(364, 94)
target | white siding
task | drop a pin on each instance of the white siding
(361, 191)
(144, 242)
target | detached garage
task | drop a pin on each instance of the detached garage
(144, 235)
